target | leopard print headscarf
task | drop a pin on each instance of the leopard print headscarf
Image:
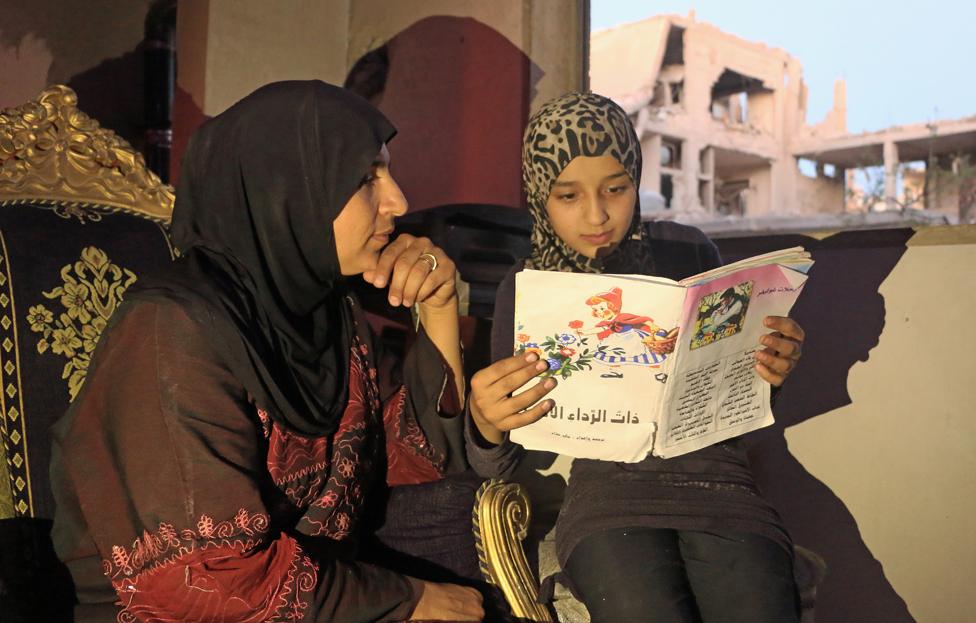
(579, 124)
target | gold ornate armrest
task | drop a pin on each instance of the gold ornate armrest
(52, 152)
(501, 520)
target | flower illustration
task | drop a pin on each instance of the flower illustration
(205, 525)
(74, 297)
(523, 338)
(536, 350)
(575, 324)
(328, 500)
(345, 467)
(90, 290)
(39, 317)
(562, 359)
(241, 519)
(65, 341)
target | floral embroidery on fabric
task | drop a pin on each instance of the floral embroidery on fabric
(244, 531)
(91, 290)
(175, 575)
(410, 458)
(325, 476)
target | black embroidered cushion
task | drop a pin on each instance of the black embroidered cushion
(63, 271)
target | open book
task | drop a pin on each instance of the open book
(647, 364)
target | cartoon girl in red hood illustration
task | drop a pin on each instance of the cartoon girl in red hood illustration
(627, 328)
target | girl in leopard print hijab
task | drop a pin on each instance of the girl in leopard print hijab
(688, 539)
(590, 125)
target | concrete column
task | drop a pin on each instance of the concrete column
(689, 175)
(651, 165)
(840, 174)
(706, 176)
(891, 175)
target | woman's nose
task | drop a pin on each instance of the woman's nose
(393, 200)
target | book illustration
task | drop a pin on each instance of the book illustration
(565, 353)
(622, 339)
(625, 338)
(721, 314)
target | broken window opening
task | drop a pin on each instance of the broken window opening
(674, 53)
(730, 97)
(670, 153)
(668, 92)
(677, 91)
(667, 189)
(730, 198)
(807, 167)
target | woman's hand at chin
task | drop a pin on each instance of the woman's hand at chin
(415, 271)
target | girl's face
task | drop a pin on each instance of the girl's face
(365, 223)
(602, 310)
(591, 205)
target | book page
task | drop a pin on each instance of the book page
(795, 257)
(605, 338)
(717, 393)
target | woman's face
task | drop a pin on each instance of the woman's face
(365, 223)
(591, 205)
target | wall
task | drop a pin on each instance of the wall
(871, 461)
(901, 454)
(459, 81)
(91, 45)
(251, 43)
(818, 195)
(547, 31)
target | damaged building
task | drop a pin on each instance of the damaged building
(723, 127)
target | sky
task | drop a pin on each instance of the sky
(902, 65)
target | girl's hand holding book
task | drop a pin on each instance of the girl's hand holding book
(495, 410)
(782, 351)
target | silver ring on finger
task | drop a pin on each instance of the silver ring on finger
(430, 259)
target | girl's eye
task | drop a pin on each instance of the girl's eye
(566, 197)
(613, 190)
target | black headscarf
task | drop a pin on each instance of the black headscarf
(260, 187)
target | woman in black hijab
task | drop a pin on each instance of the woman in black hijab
(216, 463)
